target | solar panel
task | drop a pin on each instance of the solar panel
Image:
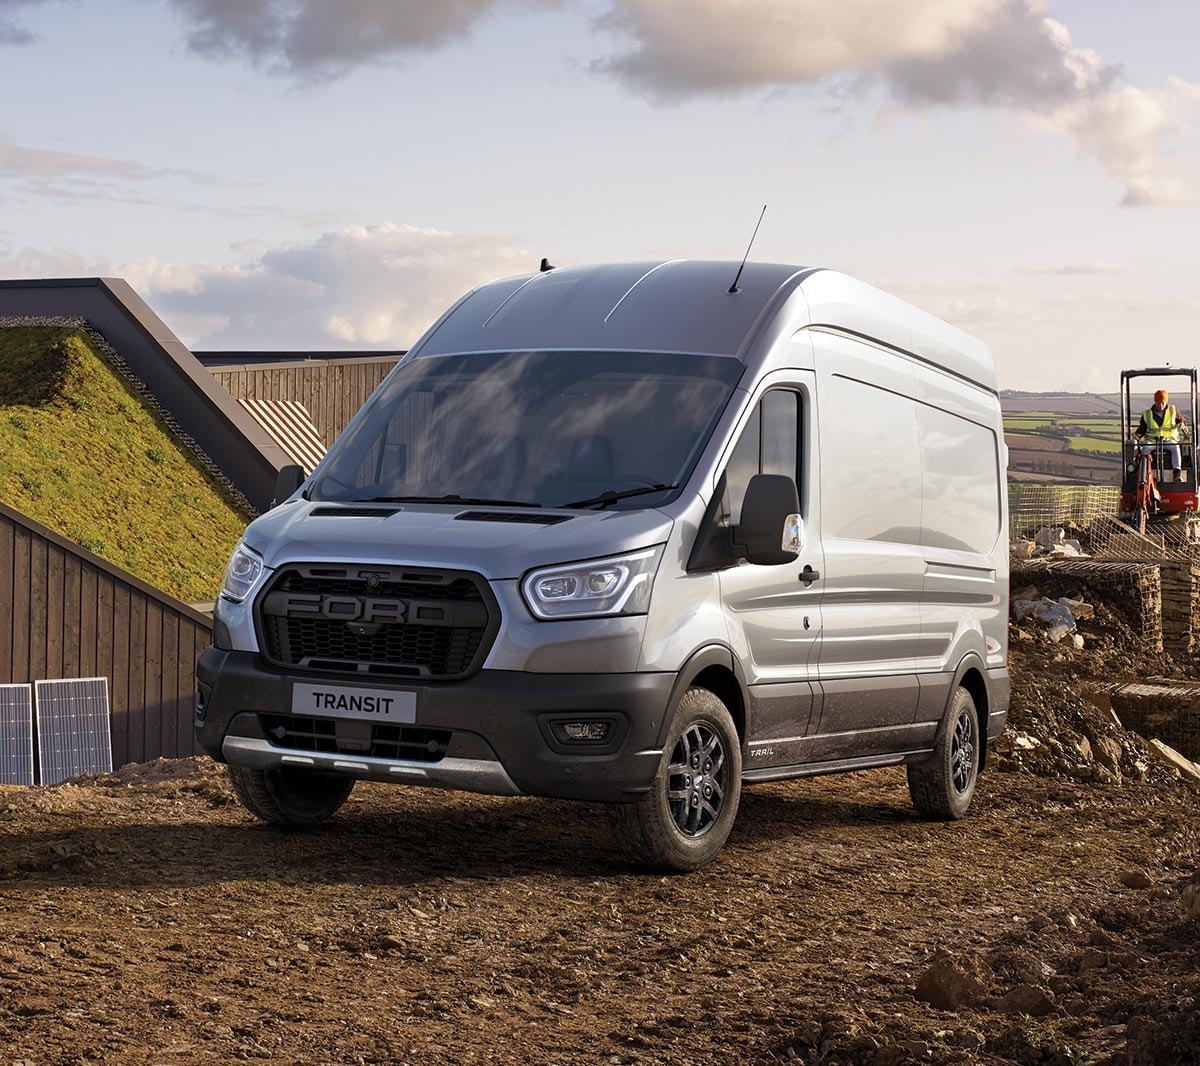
(16, 735)
(73, 728)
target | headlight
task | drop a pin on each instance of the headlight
(242, 574)
(617, 585)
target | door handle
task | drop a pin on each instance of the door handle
(808, 575)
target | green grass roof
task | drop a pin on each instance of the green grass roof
(84, 456)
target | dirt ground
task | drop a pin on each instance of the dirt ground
(145, 918)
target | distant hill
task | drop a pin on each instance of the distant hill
(84, 456)
(1066, 437)
(1095, 403)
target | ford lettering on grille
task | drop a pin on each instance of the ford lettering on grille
(343, 608)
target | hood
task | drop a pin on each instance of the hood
(497, 542)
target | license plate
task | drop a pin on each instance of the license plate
(372, 704)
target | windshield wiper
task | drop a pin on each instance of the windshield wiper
(449, 498)
(607, 497)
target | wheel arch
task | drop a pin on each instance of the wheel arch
(715, 668)
(971, 675)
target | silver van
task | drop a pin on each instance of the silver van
(635, 535)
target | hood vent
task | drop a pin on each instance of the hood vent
(353, 512)
(522, 517)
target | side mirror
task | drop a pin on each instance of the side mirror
(771, 532)
(290, 478)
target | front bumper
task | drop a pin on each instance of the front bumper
(499, 724)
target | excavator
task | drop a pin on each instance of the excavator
(1152, 499)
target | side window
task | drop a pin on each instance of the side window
(770, 444)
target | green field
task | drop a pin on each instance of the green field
(85, 457)
(1095, 444)
(1068, 426)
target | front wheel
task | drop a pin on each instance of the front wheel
(686, 817)
(942, 786)
(1138, 518)
(289, 796)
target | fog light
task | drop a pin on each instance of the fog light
(584, 731)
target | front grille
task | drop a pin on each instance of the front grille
(321, 735)
(377, 620)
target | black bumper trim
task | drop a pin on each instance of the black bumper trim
(495, 714)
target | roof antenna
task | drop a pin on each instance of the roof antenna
(546, 266)
(733, 287)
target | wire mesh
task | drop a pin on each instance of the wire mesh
(1089, 514)
(1033, 507)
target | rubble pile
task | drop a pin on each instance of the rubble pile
(1052, 542)
(1058, 618)
(1068, 644)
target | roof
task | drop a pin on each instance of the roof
(686, 306)
(676, 306)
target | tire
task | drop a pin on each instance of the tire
(942, 786)
(288, 796)
(686, 817)
(1138, 519)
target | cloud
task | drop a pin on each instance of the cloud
(44, 164)
(1003, 54)
(1125, 129)
(12, 31)
(361, 286)
(982, 307)
(1100, 266)
(320, 39)
(683, 48)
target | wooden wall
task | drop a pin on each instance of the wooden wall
(65, 612)
(332, 390)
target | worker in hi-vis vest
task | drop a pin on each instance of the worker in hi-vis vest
(1162, 422)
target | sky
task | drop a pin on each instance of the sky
(332, 174)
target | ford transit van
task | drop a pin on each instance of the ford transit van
(629, 534)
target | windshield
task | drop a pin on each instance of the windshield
(543, 428)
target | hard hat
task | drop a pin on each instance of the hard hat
(1160, 396)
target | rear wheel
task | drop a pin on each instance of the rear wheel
(686, 817)
(288, 796)
(942, 786)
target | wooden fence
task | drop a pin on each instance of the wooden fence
(332, 390)
(65, 612)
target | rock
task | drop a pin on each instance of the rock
(1138, 879)
(1068, 550)
(1022, 609)
(1108, 754)
(1058, 630)
(1077, 640)
(1025, 742)
(1189, 899)
(1170, 756)
(953, 981)
(1049, 536)
(1084, 747)
(1029, 592)
(1022, 549)
(1092, 959)
(968, 1038)
(1058, 619)
(1079, 609)
(1027, 999)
